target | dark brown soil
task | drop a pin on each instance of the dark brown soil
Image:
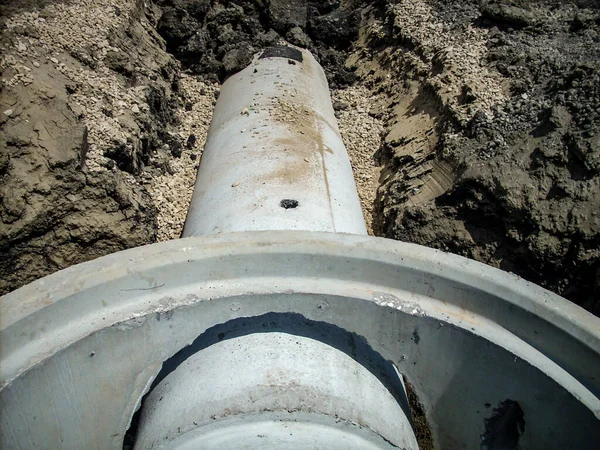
(54, 210)
(419, 419)
(518, 186)
(217, 39)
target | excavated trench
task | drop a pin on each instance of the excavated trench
(471, 128)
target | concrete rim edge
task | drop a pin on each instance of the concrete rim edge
(37, 295)
(48, 292)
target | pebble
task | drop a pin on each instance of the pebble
(35, 64)
(464, 52)
(179, 184)
(54, 60)
(8, 112)
(362, 137)
(191, 141)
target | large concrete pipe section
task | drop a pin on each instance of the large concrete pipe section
(291, 337)
(274, 158)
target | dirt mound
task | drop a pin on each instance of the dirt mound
(85, 106)
(493, 147)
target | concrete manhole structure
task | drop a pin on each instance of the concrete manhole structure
(276, 322)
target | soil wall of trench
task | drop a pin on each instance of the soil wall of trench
(492, 144)
(478, 123)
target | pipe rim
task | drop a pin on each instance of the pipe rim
(135, 276)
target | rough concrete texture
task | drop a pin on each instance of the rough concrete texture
(472, 126)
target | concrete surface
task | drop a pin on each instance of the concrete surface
(81, 347)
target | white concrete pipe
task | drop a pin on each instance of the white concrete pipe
(81, 347)
(274, 391)
(274, 158)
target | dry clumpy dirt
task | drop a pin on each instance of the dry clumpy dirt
(100, 131)
(84, 103)
(472, 126)
(492, 141)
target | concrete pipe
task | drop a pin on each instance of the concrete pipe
(254, 387)
(292, 339)
(486, 353)
(274, 158)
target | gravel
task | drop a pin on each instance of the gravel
(83, 29)
(172, 192)
(87, 99)
(361, 133)
(460, 48)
